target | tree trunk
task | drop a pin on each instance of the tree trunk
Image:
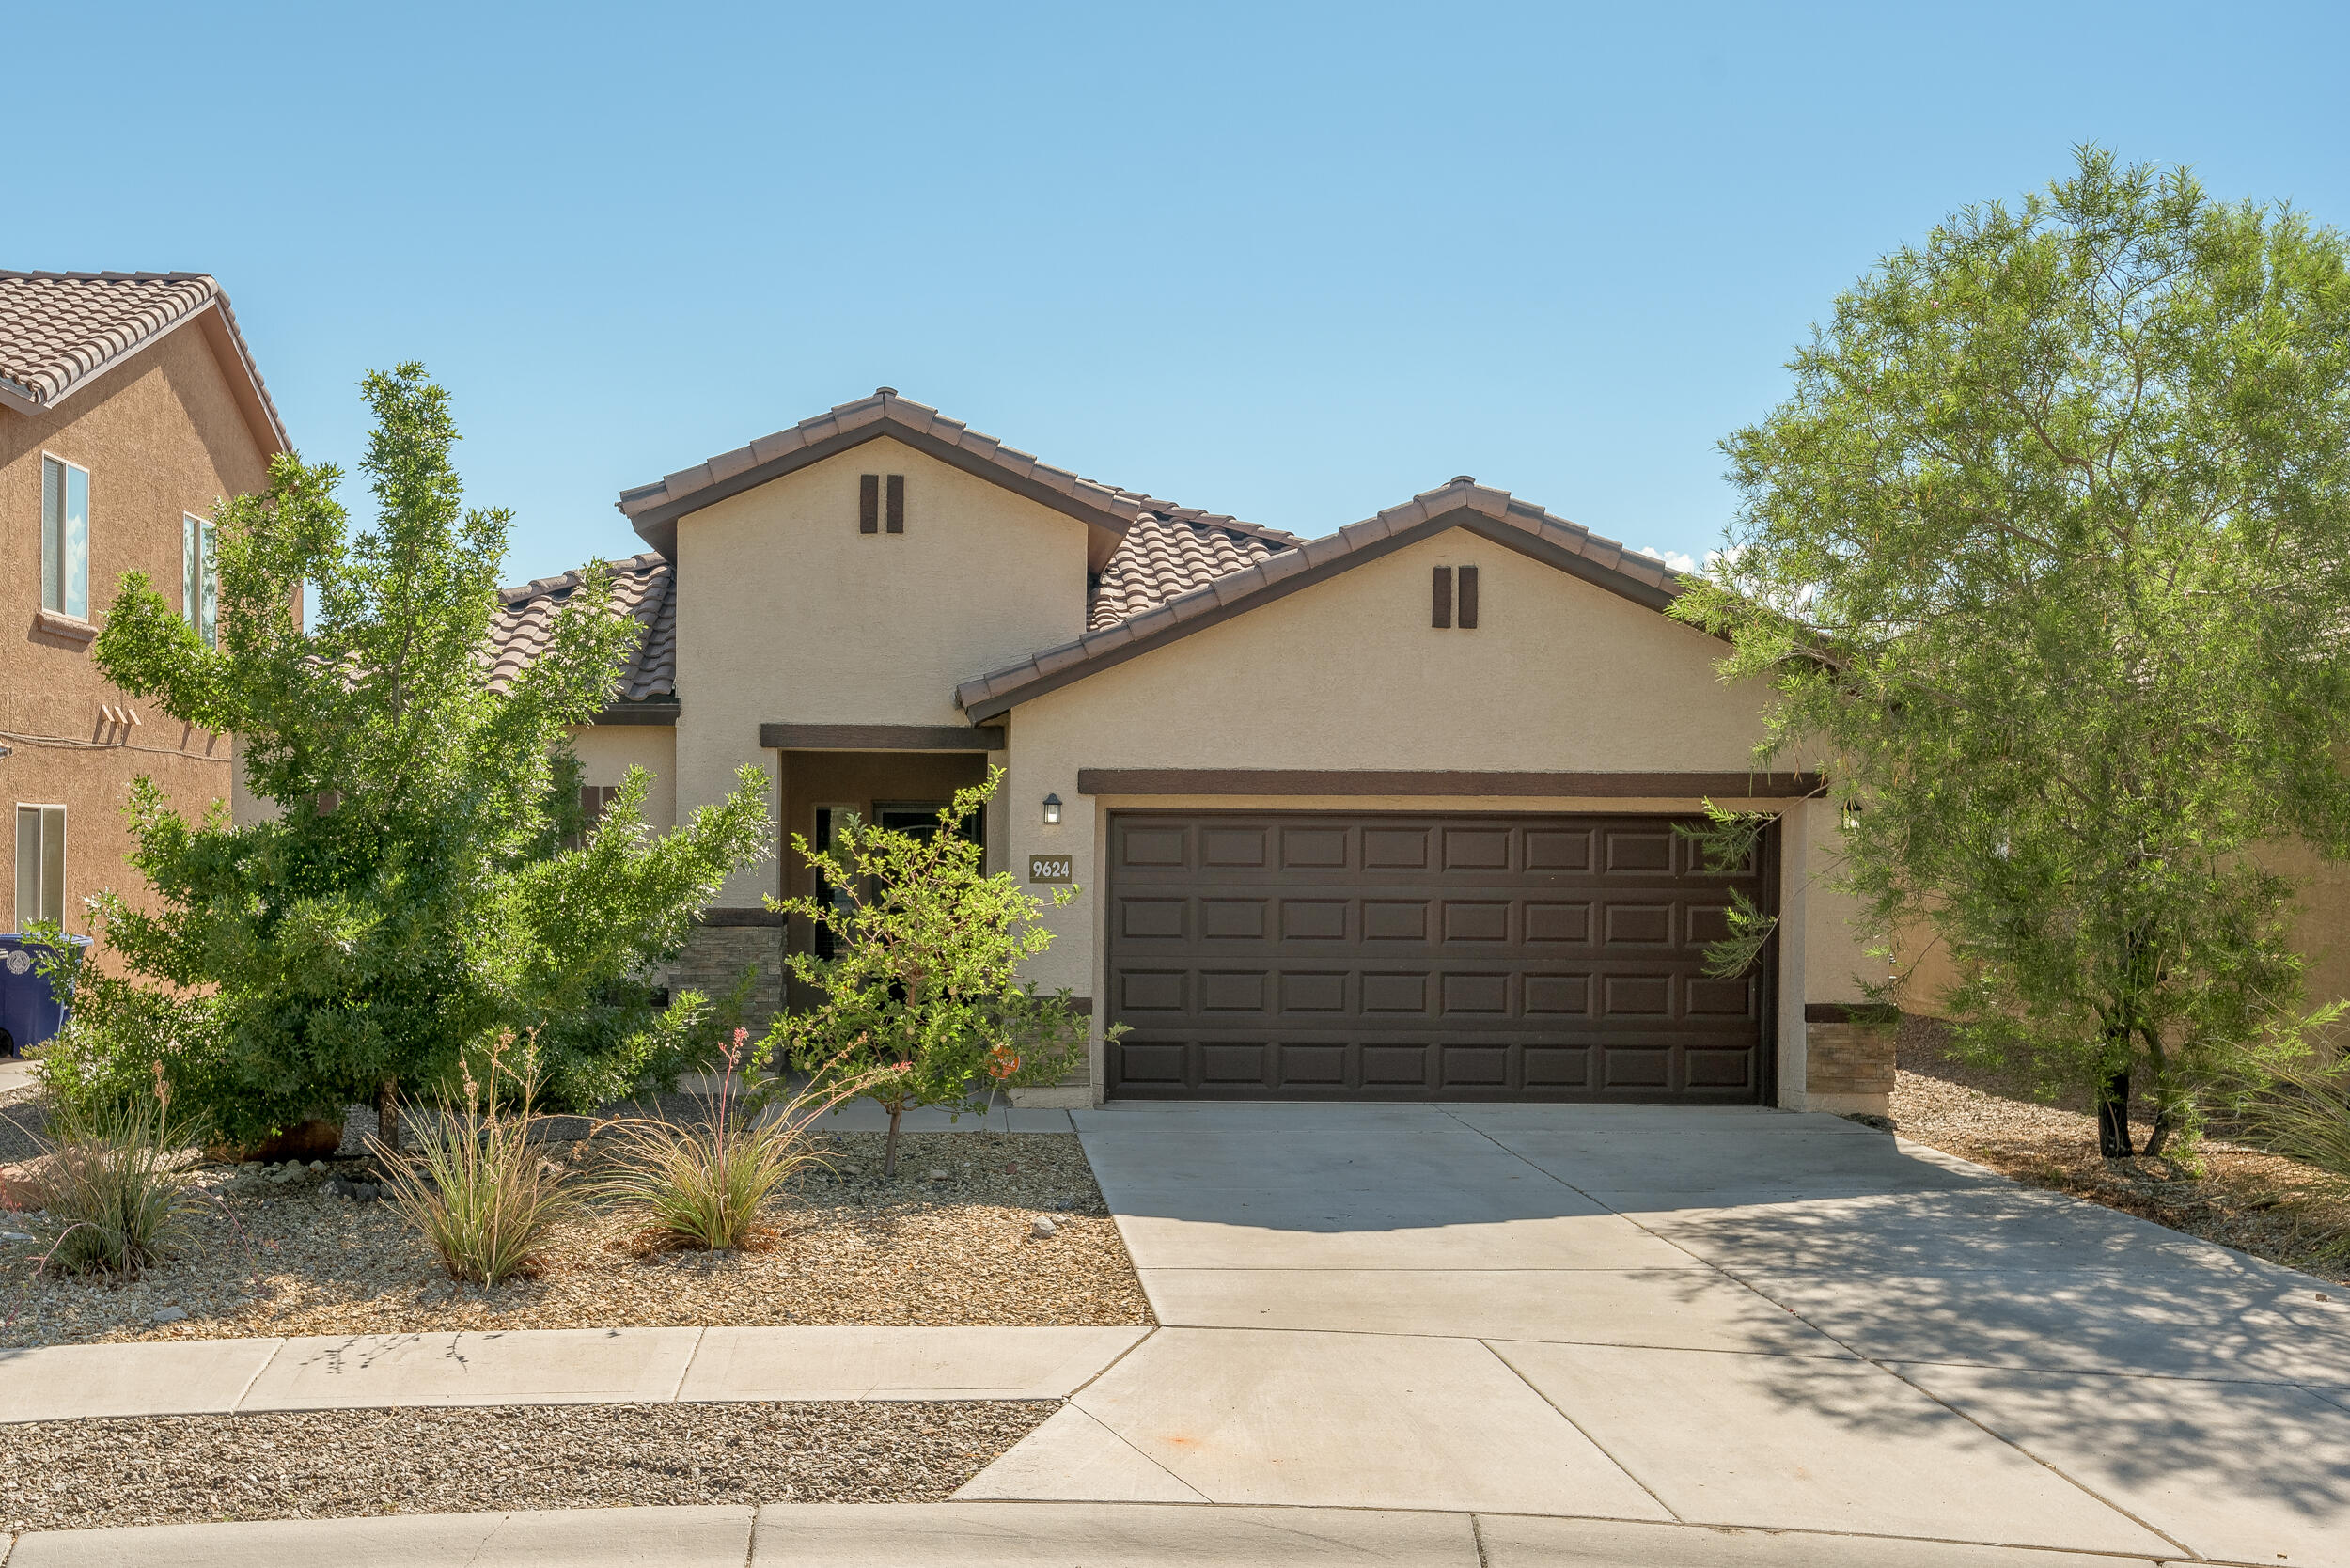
(387, 1114)
(2158, 1137)
(2113, 1116)
(890, 1150)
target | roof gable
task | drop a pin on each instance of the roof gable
(1108, 511)
(60, 331)
(1462, 504)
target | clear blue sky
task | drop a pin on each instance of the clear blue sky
(1290, 262)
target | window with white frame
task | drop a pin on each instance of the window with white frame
(199, 578)
(64, 537)
(40, 865)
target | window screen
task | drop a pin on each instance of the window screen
(64, 538)
(40, 865)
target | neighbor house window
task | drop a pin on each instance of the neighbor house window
(40, 865)
(199, 579)
(64, 538)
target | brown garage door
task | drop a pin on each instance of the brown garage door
(1365, 956)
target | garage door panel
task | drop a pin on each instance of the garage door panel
(1395, 919)
(1406, 956)
(1476, 920)
(1233, 920)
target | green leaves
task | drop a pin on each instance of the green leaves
(924, 986)
(413, 895)
(2047, 558)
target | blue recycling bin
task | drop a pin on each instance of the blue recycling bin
(29, 1013)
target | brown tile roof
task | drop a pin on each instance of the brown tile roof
(1169, 551)
(641, 586)
(1463, 503)
(59, 330)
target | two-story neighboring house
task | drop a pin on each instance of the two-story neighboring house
(128, 406)
(1386, 814)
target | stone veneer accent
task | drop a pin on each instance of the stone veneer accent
(716, 957)
(1850, 1065)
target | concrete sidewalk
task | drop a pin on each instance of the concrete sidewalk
(999, 1535)
(586, 1366)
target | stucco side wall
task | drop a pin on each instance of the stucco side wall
(607, 751)
(162, 436)
(787, 614)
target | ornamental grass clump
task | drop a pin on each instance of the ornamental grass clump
(703, 1183)
(472, 1183)
(111, 1191)
(2304, 1114)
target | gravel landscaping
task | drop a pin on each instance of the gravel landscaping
(951, 1241)
(2264, 1204)
(179, 1469)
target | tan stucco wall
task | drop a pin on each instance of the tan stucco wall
(162, 436)
(787, 614)
(1560, 676)
(2321, 931)
(607, 751)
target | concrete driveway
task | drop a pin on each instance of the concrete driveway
(1723, 1317)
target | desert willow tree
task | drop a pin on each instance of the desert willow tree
(2047, 561)
(411, 896)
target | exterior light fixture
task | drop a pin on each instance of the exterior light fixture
(1052, 810)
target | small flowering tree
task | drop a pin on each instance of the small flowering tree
(922, 997)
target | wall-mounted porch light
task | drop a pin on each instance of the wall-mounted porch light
(1052, 810)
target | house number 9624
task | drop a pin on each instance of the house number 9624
(1049, 868)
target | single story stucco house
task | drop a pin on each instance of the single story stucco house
(1386, 814)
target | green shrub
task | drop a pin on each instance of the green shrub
(472, 1182)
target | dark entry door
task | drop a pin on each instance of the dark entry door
(1370, 956)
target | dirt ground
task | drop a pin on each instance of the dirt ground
(949, 1241)
(342, 1463)
(2269, 1206)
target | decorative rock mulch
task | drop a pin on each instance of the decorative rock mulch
(178, 1470)
(266, 1257)
(2257, 1202)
